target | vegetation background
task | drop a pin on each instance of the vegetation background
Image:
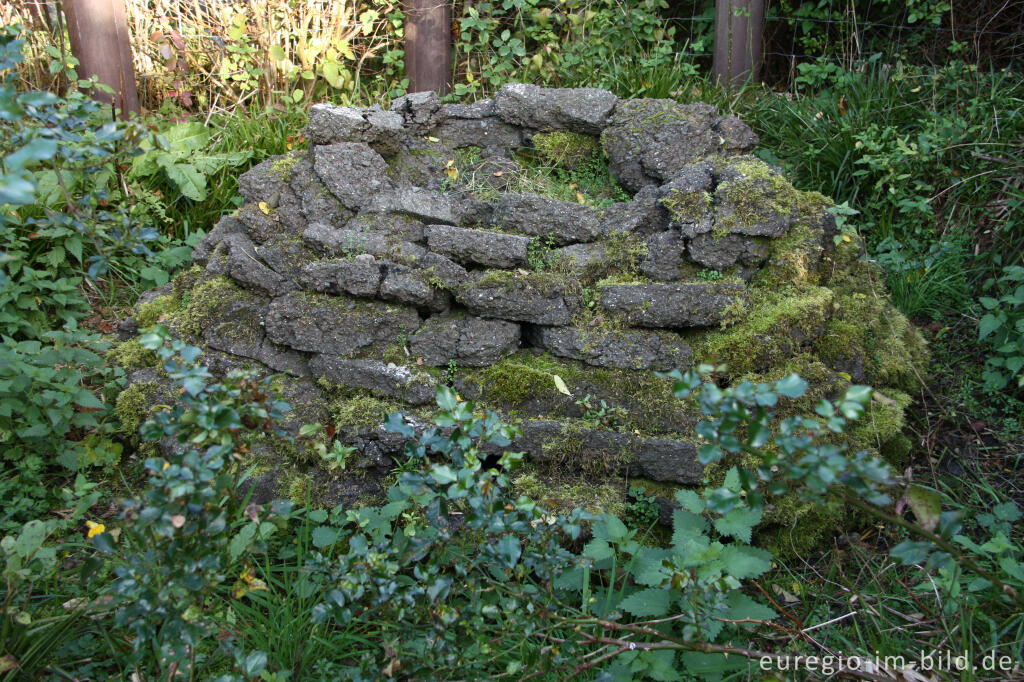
(908, 114)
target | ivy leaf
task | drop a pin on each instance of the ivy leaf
(651, 602)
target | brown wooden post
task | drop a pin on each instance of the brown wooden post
(428, 45)
(738, 28)
(99, 37)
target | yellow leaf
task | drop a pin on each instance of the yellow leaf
(166, 464)
(560, 385)
(265, 207)
(846, 238)
(580, 199)
(432, 139)
(452, 172)
(846, 376)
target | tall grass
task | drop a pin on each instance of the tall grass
(206, 56)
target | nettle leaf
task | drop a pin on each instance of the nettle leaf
(651, 602)
(242, 540)
(742, 607)
(687, 526)
(690, 500)
(598, 550)
(324, 536)
(746, 562)
(1007, 511)
(610, 528)
(738, 523)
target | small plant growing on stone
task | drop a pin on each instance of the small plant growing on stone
(709, 275)
(336, 455)
(600, 414)
(540, 253)
(449, 373)
(642, 509)
(353, 247)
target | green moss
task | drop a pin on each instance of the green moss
(136, 403)
(150, 313)
(562, 496)
(868, 327)
(687, 206)
(754, 196)
(510, 383)
(131, 355)
(360, 411)
(543, 281)
(299, 488)
(794, 258)
(206, 304)
(774, 328)
(881, 428)
(565, 149)
(282, 167)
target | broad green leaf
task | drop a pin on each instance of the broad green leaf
(746, 562)
(792, 386)
(611, 528)
(739, 523)
(188, 180)
(690, 500)
(598, 550)
(742, 607)
(988, 324)
(926, 505)
(187, 137)
(241, 540)
(324, 536)
(651, 602)
(686, 526)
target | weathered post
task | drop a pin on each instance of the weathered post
(738, 28)
(98, 31)
(428, 49)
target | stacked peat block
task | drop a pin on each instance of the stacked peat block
(359, 269)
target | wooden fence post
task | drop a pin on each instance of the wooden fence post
(428, 46)
(98, 31)
(738, 28)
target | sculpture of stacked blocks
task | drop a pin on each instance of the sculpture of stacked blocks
(369, 277)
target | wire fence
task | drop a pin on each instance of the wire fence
(988, 33)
